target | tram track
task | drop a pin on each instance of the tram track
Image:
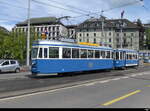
(30, 84)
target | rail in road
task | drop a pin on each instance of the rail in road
(11, 86)
(129, 91)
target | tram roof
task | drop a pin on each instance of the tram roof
(128, 50)
(59, 43)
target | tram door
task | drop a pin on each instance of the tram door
(124, 58)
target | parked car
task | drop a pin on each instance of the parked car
(9, 66)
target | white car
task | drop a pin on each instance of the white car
(9, 66)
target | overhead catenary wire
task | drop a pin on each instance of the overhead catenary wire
(70, 6)
(42, 3)
(109, 9)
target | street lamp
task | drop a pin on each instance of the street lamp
(28, 36)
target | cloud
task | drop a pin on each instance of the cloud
(17, 10)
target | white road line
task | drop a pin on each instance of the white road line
(134, 75)
(91, 84)
(104, 81)
(52, 91)
(115, 79)
(125, 77)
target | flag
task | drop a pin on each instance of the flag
(122, 14)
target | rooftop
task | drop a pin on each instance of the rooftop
(41, 20)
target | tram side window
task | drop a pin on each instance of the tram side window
(112, 55)
(136, 56)
(117, 55)
(45, 52)
(124, 55)
(75, 53)
(66, 53)
(97, 54)
(130, 57)
(121, 55)
(53, 52)
(108, 55)
(90, 53)
(83, 53)
(40, 53)
(34, 52)
(133, 56)
(103, 54)
(127, 56)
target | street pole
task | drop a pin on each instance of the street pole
(28, 36)
(103, 37)
(121, 34)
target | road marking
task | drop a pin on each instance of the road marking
(134, 75)
(121, 98)
(91, 84)
(104, 81)
(125, 77)
(115, 79)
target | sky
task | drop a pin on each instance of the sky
(15, 11)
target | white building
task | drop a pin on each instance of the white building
(54, 28)
(107, 32)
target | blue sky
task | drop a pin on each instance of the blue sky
(14, 11)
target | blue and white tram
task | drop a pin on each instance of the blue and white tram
(125, 58)
(147, 57)
(50, 57)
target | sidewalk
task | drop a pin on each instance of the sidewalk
(25, 69)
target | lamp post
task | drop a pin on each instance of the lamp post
(28, 36)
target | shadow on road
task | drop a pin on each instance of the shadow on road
(103, 73)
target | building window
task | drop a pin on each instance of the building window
(94, 34)
(80, 40)
(94, 41)
(117, 34)
(41, 29)
(110, 40)
(88, 40)
(87, 35)
(125, 34)
(132, 34)
(46, 28)
(53, 28)
(57, 27)
(80, 35)
(109, 33)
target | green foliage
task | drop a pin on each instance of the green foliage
(13, 45)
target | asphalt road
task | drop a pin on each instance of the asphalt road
(116, 89)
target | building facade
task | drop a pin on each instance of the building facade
(71, 31)
(106, 32)
(54, 28)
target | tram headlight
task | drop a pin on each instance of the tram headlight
(33, 63)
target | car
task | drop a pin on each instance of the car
(9, 66)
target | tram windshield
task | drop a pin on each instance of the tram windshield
(34, 52)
